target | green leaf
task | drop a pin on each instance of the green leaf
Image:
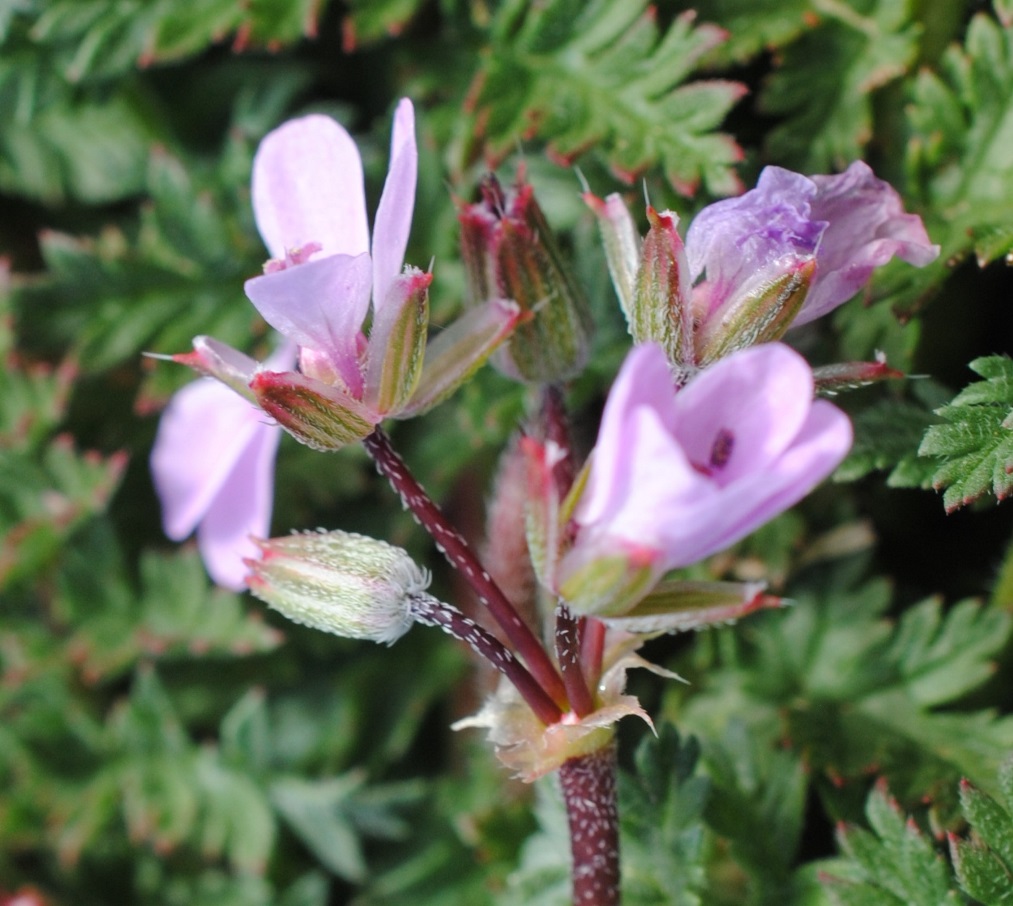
(757, 801)
(960, 158)
(331, 815)
(897, 863)
(602, 74)
(661, 809)
(825, 84)
(371, 21)
(177, 614)
(984, 864)
(854, 691)
(888, 434)
(975, 442)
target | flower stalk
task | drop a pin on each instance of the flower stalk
(549, 705)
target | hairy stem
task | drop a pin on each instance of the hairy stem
(453, 546)
(589, 790)
(432, 612)
(569, 636)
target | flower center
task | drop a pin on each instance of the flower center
(299, 255)
(721, 452)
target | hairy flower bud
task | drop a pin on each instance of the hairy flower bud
(338, 582)
(510, 253)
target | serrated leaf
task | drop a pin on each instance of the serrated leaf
(318, 812)
(959, 157)
(975, 441)
(601, 74)
(370, 21)
(897, 862)
(887, 435)
(661, 809)
(824, 86)
(854, 692)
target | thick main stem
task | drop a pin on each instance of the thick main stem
(589, 791)
(453, 546)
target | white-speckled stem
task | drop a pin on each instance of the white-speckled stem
(589, 790)
(431, 612)
(453, 546)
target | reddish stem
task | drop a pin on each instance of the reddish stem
(589, 790)
(432, 612)
(592, 649)
(453, 546)
(569, 628)
(569, 635)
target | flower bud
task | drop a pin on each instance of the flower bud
(339, 582)
(832, 379)
(509, 253)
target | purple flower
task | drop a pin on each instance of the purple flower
(677, 476)
(850, 223)
(213, 468)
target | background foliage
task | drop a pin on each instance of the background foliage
(164, 742)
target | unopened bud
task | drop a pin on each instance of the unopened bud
(661, 309)
(510, 253)
(833, 379)
(758, 312)
(338, 582)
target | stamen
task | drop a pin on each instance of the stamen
(299, 255)
(721, 452)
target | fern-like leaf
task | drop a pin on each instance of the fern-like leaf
(894, 864)
(975, 441)
(602, 74)
(960, 156)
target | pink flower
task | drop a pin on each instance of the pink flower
(677, 476)
(851, 223)
(310, 206)
(213, 468)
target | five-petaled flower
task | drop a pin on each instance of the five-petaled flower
(323, 283)
(677, 476)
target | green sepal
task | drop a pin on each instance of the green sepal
(761, 312)
(608, 585)
(661, 310)
(622, 245)
(678, 606)
(316, 414)
(456, 353)
(397, 344)
(541, 511)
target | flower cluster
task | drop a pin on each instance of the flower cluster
(710, 428)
